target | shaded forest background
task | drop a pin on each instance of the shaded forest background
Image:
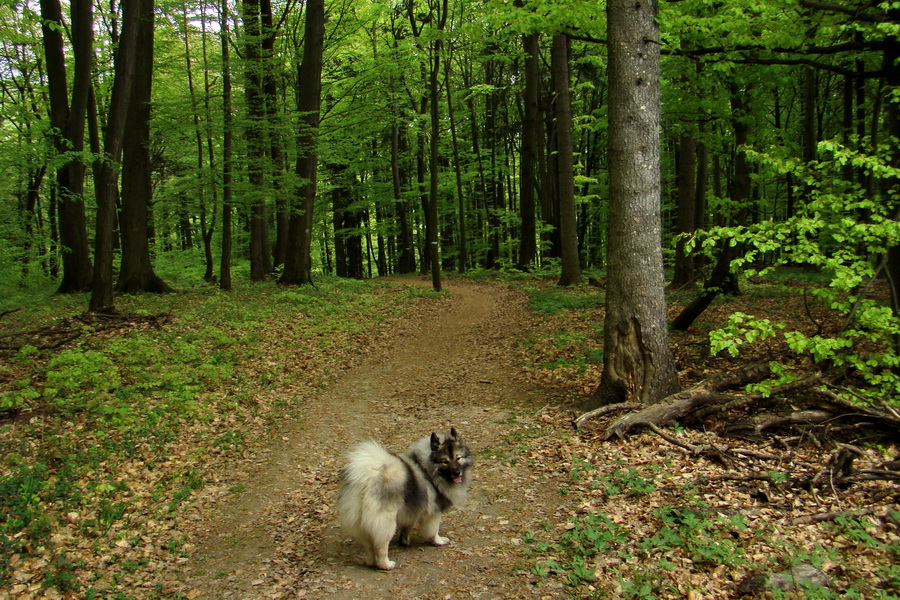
(450, 105)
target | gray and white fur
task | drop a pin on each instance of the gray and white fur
(382, 492)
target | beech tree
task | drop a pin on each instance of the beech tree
(297, 264)
(68, 119)
(107, 169)
(638, 364)
(571, 267)
(136, 273)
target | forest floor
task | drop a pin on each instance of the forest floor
(553, 512)
(449, 365)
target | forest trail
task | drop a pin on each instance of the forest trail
(278, 537)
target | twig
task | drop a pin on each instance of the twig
(830, 516)
(605, 410)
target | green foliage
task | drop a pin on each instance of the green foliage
(844, 233)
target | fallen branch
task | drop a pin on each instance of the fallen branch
(683, 403)
(9, 311)
(59, 334)
(605, 410)
(831, 516)
(708, 450)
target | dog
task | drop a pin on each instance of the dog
(381, 492)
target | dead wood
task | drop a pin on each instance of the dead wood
(723, 455)
(887, 417)
(831, 516)
(68, 330)
(709, 398)
(605, 410)
(683, 403)
(762, 422)
(9, 311)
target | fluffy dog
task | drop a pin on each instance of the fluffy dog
(381, 492)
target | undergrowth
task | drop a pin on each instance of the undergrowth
(94, 436)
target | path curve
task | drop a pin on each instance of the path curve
(279, 537)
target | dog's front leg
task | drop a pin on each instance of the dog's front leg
(430, 531)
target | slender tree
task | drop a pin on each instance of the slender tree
(568, 232)
(531, 137)
(431, 217)
(227, 127)
(638, 363)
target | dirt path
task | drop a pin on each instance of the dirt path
(278, 537)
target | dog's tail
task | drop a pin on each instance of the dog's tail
(372, 483)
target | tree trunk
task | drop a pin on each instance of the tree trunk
(274, 127)
(136, 273)
(106, 171)
(431, 215)
(686, 160)
(260, 251)
(638, 363)
(68, 121)
(457, 168)
(227, 127)
(568, 228)
(406, 262)
(297, 265)
(531, 137)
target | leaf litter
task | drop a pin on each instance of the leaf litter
(554, 512)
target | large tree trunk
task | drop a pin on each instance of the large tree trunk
(638, 363)
(106, 171)
(136, 273)
(68, 126)
(568, 229)
(297, 265)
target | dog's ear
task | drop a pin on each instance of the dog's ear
(454, 435)
(435, 441)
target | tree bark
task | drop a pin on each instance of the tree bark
(136, 273)
(227, 127)
(686, 160)
(568, 229)
(107, 171)
(531, 137)
(260, 250)
(638, 362)
(68, 121)
(463, 261)
(297, 265)
(431, 215)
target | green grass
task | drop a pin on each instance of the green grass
(554, 300)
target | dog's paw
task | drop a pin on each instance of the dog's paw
(438, 540)
(387, 565)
